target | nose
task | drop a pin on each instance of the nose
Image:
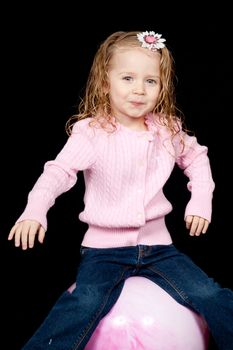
(138, 88)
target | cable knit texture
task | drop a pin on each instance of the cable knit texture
(125, 172)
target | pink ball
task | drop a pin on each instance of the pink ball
(145, 317)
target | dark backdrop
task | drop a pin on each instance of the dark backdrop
(46, 58)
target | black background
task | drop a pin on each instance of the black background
(46, 56)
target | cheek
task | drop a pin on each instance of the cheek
(153, 97)
(119, 91)
(155, 93)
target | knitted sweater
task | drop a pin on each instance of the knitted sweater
(124, 172)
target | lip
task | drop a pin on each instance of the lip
(136, 103)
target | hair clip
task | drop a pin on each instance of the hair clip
(151, 41)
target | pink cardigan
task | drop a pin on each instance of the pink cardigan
(125, 172)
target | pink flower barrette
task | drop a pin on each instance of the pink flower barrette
(151, 41)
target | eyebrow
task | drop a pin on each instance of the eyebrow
(132, 73)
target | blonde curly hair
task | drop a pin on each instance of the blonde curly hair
(95, 102)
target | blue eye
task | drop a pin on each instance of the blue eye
(151, 81)
(128, 78)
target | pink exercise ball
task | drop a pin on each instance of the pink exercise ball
(145, 317)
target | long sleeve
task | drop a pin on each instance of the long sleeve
(59, 176)
(124, 172)
(196, 166)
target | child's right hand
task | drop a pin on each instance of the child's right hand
(24, 233)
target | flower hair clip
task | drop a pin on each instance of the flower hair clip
(151, 41)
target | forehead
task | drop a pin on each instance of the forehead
(134, 56)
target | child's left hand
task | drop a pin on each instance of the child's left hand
(196, 225)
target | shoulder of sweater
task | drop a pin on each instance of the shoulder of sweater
(161, 128)
(83, 127)
(166, 133)
(92, 130)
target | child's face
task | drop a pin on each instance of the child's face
(134, 83)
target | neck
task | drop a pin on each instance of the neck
(137, 124)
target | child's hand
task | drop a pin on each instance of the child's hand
(196, 225)
(24, 233)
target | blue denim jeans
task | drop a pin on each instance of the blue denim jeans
(100, 279)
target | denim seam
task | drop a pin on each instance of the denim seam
(83, 334)
(173, 285)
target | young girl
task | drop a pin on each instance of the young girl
(126, 138)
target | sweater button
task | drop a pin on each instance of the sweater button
(150, 137)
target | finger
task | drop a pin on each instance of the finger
(33, 230)
(24, 236)
(41, 235)
(12, 231)
(194, 225)
(31, 238)
(188, 221)
(205, 228)
(21, 235)
(199, 227)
